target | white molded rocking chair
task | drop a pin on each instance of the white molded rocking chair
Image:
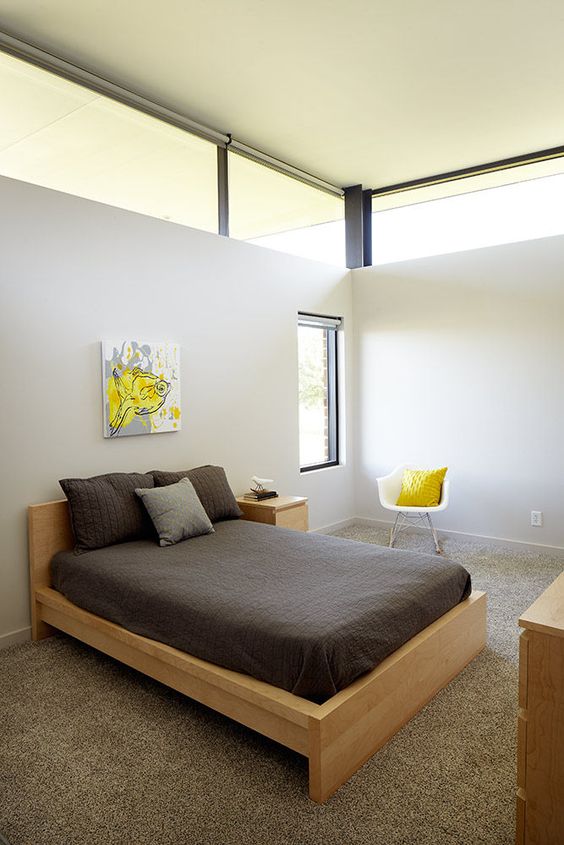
(389, 488)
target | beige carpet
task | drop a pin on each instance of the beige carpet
(92, 752)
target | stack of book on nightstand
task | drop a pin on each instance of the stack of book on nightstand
(259, 495)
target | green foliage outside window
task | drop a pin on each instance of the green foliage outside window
(312, 367)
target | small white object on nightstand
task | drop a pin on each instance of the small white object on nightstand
(259, 484)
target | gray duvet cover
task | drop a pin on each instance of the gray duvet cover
(305, 612)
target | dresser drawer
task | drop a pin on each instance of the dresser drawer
(521, 749)
(523, 668)
(520, 819)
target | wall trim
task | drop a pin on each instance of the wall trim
(519, 545)
(335, 526)
(15, 637)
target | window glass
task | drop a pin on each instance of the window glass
(317, 359)
(469, 184)
(520, 211)
(57, 134)
(271, 209)
(324, 242)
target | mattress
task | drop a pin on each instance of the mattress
(305, 612)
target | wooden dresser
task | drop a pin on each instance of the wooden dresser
(540, 743)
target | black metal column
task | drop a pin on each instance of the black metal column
(354, 226)
(222, 192)
(367, 228)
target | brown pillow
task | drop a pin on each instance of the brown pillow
(212, 487)
(105, 510)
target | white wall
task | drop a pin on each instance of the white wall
(460, 361)
(73, 272)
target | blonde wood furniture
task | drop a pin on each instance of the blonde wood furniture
(284, 511)
(540, 736)
(337, 737)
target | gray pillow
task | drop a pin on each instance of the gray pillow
(105, 510)
(212, 487)
(176, 512)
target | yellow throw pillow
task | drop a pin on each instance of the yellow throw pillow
(421, 488)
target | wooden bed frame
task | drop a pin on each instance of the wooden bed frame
(337, 737)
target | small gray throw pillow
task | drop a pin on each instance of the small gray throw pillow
(176, 512)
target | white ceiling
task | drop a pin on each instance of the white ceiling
(358, 91)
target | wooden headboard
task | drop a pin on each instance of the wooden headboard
(50, 531)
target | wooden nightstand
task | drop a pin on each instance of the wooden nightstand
(285, 511)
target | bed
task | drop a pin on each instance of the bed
(336, 716)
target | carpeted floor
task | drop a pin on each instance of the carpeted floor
(92, 752)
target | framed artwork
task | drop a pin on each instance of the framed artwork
(140, 387)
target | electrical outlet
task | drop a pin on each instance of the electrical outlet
(536, 519)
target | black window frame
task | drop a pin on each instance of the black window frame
(332, 326)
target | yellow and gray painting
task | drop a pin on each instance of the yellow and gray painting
(141, 388)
